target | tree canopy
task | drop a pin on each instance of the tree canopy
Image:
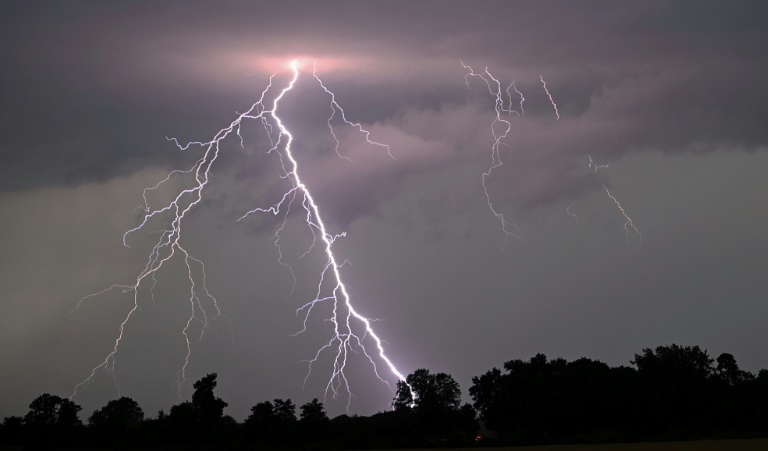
(434, 392)
(669, 393)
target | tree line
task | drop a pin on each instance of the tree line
(669, 393)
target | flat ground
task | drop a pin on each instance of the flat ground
(699, 445)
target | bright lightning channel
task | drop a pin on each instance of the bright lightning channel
(554, 105)
(343, 339)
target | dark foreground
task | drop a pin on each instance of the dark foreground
(698, 445)
(672, 397)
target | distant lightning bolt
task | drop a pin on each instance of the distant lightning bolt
(573, 215)
(500, 128)
(494, 87)
(595, 166)
(554, 105)
(522, 98)
(628, 224)
(343, 339)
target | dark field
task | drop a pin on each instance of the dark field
(698, 445)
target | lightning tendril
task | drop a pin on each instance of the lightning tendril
(500, 128)
(628, 223)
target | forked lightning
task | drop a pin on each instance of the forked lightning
(345, 318)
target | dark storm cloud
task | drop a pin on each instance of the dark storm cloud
(109, 81)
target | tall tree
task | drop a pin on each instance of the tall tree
(487, 392)
(313, 413)
(209, 409)
(314, 421)
(728, 371)
(285, 410)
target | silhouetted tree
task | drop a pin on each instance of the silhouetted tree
(729, 371)
(261, 421)
(543, 400)
(676, 362)
(676, 389)
(261, 413)
(11, 431)
(434, 392)
(285, 411)
(313, 413)
(209, 409)
(755, 404)
(52, 419)
(432, 401)
(116, 420)
(182, 416)
(676, 392)
(467, 421)
(314, 421)
(270, 421)
(488, 394)
(51, 411)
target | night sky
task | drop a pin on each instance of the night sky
(672, 96)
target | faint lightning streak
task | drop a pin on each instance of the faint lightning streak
(494, 87)
(578, 221)
(522, 98)
(126, 289)
(554, 105)
(573, 215)
(628, 224)
(595, 166)
(335, 107)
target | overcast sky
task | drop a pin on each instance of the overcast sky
(671, 96)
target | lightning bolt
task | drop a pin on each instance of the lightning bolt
(500, 128)
(628, 223)
(522, 98)
(345, 318)
(554, 105)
